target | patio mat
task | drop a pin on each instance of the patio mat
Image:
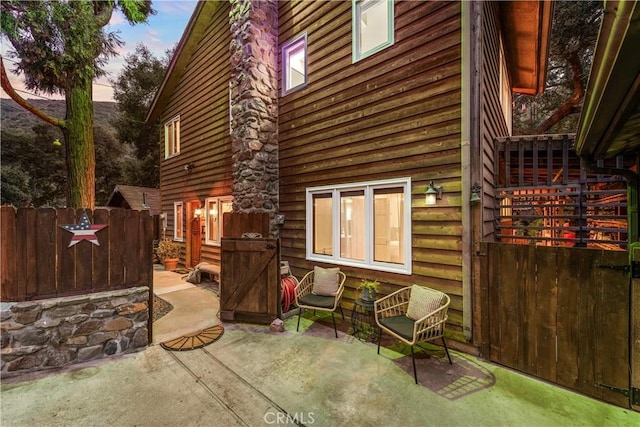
(195, 340)
(452, 382)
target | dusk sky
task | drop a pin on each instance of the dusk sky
(161, 33)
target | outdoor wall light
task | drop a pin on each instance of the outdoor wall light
(432, 194)
(197, 213)
(475, 192)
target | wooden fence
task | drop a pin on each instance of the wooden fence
(38, 261)
(560, 314)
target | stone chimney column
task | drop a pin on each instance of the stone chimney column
(254, 106)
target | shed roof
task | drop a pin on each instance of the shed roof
(136, 198)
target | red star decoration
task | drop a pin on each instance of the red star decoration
(84, 230)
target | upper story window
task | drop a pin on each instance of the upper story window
(505, 90)
(364, 225)
(294, 64)
(172, 137)
(215, 208)
(178, 217)
(372, 27)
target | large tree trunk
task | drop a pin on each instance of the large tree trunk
(80, 152)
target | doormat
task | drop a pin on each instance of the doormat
(195, 340)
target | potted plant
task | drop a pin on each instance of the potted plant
(368, 290)
(168, 251)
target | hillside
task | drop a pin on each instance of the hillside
(17, 120)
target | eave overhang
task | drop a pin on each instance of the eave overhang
(527, 29)
(610, 120)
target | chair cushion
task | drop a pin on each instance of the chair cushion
(401, 325)
(325, 281)
(317, 301)
(422, 302)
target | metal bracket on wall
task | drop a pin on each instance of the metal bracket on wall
(623, 267)
(635, 269)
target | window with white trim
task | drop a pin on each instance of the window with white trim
(372, 27)
(178, 224)
(294, 64)
(172, 137)
(215, 208)
(505, 90)
(364, 225)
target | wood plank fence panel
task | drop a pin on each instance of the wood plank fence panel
(561, 314)
(131, 247)
(84, 257)
(612, 293)
(527, 315)
(100, 277)
(569, 281)
(38, 261)
(509, 319)
(116, 252)
(25, 264)
(66, 274)
(147, 228)
(8, 259)
(46, 243)
(546, 311)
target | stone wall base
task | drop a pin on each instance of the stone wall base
(57, 332)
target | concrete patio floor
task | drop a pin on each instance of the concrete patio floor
(252, 377)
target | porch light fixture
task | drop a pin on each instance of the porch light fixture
(475, 192)
(432, 194)
(197, 213)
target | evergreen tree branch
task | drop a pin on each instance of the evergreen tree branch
(569, 105)
(8, 88)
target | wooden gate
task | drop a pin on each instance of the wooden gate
(250, 280)
(560, 314)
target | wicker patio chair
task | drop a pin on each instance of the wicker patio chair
(314, 295)
(412, 319)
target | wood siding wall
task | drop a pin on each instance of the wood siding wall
(492, 122)
(394, 114)
(201, 98)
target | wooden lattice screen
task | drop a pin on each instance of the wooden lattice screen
(545, 197)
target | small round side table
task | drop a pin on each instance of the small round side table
(363, 321)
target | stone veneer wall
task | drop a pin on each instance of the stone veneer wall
(254, 106)
(57, 332)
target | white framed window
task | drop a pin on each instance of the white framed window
(294, 64)
(178, 224)
(364, 225)
(215, 208)
(372, 27)
(172, 137)
(505, 90)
